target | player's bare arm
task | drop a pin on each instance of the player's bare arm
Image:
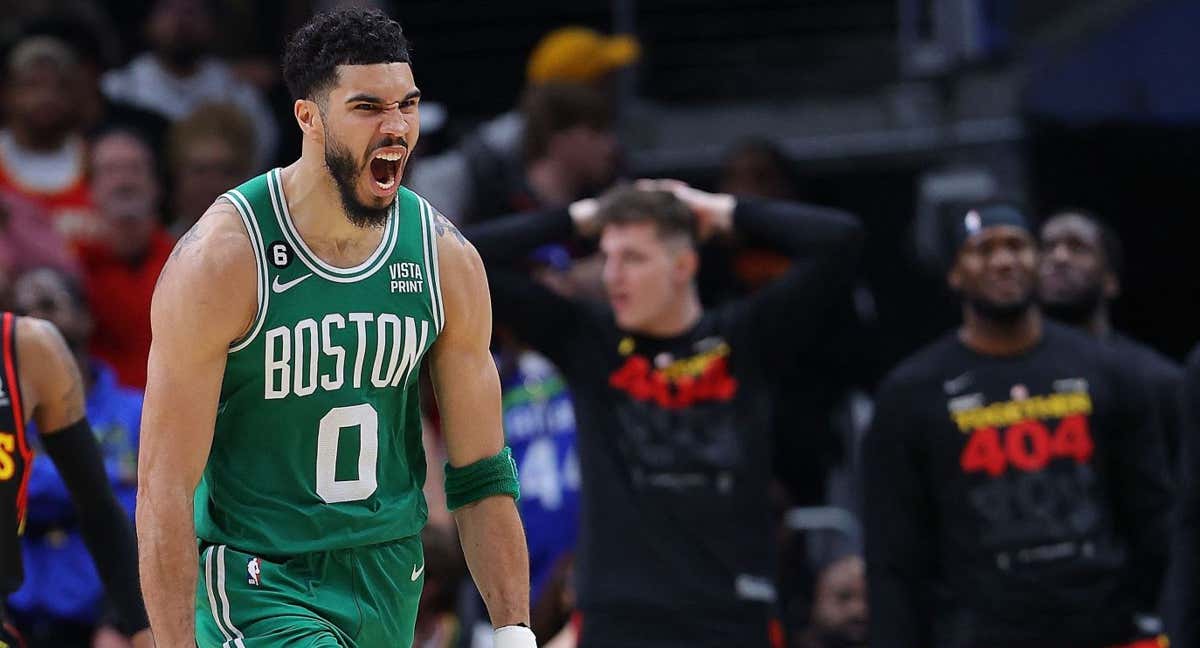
(50, 380)
(468, 394)
(54, 399)
(204, 300)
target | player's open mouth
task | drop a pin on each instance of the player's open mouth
(385, 169)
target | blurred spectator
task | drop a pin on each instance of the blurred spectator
(28, 240)
(84, 36)
(122, 269)
(673, 402)
(1015, 484)
(61, 602)
(839, 610)
(553, 616)
(757, 167)
(753, 167)
(569, 148)
(539, 426)
(1079, 276)
(179, 74)
(475, 181)
(208, 151)
(42, 152)
(445, 569)
(808, 443)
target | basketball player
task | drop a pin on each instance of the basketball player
(1078, 276)
(1015, 486)
(40, 382)
(290, 326)
(673, 401)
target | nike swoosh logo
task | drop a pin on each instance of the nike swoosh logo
(282, 287)
(417, 572)
(957, 384)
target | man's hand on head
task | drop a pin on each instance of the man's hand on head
(583, 214)
(714, 211)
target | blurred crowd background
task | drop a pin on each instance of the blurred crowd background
(122, 121)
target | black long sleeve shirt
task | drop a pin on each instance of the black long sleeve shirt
(674, 433)
(1014, 501)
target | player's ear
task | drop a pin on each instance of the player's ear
(954, 278)
(687, 264)
(307, 115)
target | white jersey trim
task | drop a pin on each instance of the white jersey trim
(322, 269)
(429, 242)
(246, 211)
(237, 634)
(437, 268)
(230, 638)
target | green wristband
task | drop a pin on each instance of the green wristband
(495, 475)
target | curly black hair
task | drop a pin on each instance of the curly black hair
(350, 36)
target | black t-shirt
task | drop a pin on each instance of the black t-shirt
(1162, 377)
(674, 434)
(1183, 593)
(1013, 501)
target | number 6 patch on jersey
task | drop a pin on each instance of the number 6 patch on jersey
(280, 254)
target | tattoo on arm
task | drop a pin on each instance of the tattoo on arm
(444, 227)
(189, 237)
(184, 243)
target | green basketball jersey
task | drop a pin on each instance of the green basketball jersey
(318, 434)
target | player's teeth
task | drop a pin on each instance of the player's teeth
(386, 185)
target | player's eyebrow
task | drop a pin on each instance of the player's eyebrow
(370, 98)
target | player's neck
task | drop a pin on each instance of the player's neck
(1000, 337)
(678, 320)
(311, 199)
(1098, 323)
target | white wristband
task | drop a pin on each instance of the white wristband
(514, 637)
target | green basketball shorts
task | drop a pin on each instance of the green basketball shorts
(347, 598)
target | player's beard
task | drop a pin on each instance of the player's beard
(1078, 309)
(345, 174)
(1003, 313)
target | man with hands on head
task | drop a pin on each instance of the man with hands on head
(673, 401)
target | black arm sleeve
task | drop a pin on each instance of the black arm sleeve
(512, 238)
(1141, 488)
(1183, 593)
(824, 245)
(538, 316)
(899, 529)
(106, 529)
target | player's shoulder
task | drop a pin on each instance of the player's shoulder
(1070, 349)
(210, 284)
(1155, 366)
(1191, 367)
(38, 334)
(43, 357)
(930, 363)
(217, 247)
(456, 255)
(1193, 359)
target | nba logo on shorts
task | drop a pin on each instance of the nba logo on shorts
(253, 569)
